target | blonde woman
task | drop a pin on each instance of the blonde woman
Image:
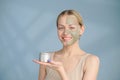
(70, 62)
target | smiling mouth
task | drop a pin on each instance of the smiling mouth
(66, 38)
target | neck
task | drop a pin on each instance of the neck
(71, 50)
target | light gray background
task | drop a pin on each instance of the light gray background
(28, 27)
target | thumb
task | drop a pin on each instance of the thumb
(52, 62)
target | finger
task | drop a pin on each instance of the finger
(42, 63)
(36, 61)
(53, 62)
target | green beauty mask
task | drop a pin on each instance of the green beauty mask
(70, 20)
(75, 36)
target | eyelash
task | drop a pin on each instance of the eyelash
(59, 28)
(72, 27)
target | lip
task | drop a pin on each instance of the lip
(66, 38)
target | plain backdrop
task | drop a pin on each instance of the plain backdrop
(28, 27)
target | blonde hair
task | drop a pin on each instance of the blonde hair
(71, 12)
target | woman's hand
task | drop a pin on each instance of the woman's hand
(58, 66)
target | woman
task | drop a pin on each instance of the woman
(71, 62)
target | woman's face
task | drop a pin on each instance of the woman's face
(68, 29)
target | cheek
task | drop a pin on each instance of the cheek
(59, 34)
(75, 34)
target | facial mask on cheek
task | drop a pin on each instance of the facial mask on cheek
(75, 36)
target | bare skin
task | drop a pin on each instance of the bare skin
(66, 59)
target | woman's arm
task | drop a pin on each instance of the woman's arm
(42, 72)
(53, 65)
(91, 68)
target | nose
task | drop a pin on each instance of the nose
(66, 32)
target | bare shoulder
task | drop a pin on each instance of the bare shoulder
(55, 54)
(92, 60)
(91, 67)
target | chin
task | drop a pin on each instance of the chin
(66, 44)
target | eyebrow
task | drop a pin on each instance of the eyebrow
(60, 25)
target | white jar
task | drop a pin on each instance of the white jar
(44, 57)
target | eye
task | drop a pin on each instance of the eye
(60, 27)
(72, 27)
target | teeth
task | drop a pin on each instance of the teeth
(66, 38)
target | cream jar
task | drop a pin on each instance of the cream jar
(44, 57)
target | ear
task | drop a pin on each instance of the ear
(82, 28)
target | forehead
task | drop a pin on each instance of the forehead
(67, 19)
